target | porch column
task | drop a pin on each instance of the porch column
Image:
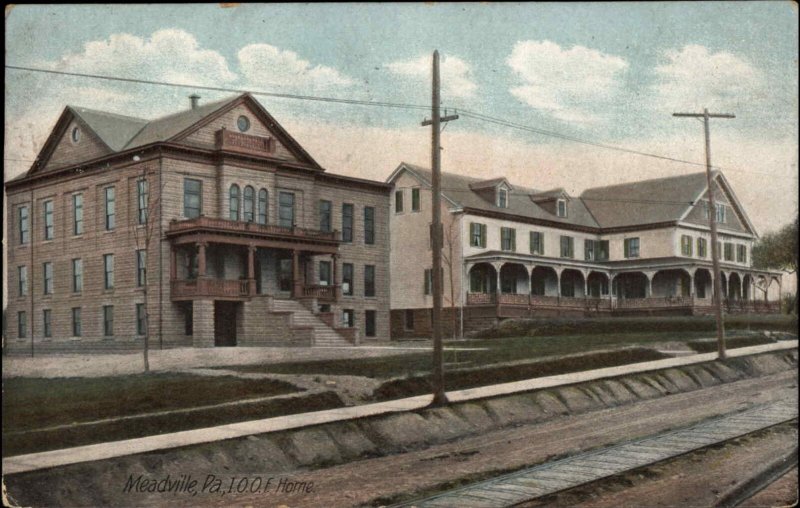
(201, 259)
(173, 263)
(558, 281)
(297, 284)
(649, 276)
(585, 274)
(497, 267)
(337, 287)
(251, 270)
(691, 283)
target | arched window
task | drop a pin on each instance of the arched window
(249, 203)
(234, 202)
(262, 206)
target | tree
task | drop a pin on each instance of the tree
(447, 258)
(778, 251)
(145, 225)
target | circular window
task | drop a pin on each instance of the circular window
(76, 134)
(243, 123)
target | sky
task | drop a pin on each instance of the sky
(608, 73)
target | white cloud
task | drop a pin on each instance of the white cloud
(456, 74)
(167, 55)
(568, 84)
(265, 65)
(693, 77)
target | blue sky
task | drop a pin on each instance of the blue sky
(611, 72)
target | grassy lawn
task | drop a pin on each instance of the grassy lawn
(494, 351)
(31, 403)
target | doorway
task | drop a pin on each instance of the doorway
(225, 323)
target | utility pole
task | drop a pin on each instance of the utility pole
(439, 397)
(712, 220)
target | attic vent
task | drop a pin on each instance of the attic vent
(195, 100)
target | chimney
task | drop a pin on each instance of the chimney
(195, 100)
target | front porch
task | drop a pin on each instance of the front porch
(234, 261)
(530, 290)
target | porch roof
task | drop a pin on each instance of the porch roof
(627, 265)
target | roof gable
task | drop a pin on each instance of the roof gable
(105, 133)
(59, 149)
(735, 219)
(550, 195)
(290, 148)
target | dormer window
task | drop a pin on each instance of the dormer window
(502, 198)
(561, 207)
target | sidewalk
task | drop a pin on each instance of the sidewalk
(120, 364)
(89, 453)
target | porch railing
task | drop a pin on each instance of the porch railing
(211, 288)
(321, 292)
(233, 226)
(610, 303)
(238, 142)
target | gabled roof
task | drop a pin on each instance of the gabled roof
(457, 189)
(644, 202)
(167, 127)
(550, 195)
(489, 184)
(121, 133)
(112, 129)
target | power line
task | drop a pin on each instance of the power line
(387, 104)
(507, 123)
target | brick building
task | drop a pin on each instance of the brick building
(251, 241)
(641, 248)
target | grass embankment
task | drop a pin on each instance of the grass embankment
(622, 325)
(32, 407)
(474, 353)
(460, 379)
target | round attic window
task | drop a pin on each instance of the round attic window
(76, 134)
(243, 123)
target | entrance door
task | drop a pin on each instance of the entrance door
(225, 323)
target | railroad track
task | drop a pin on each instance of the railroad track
(576, 470)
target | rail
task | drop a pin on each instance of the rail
(321, 292)
(233, 226)
(611, 303)
(212, 288)
(246, 143)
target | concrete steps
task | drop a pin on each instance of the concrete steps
(324, 335)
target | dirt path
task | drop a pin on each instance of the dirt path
(352, 389)
(96, 365)
(424, 471)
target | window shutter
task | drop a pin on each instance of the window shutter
(483, 235)
(513, 234)
(627, 249)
